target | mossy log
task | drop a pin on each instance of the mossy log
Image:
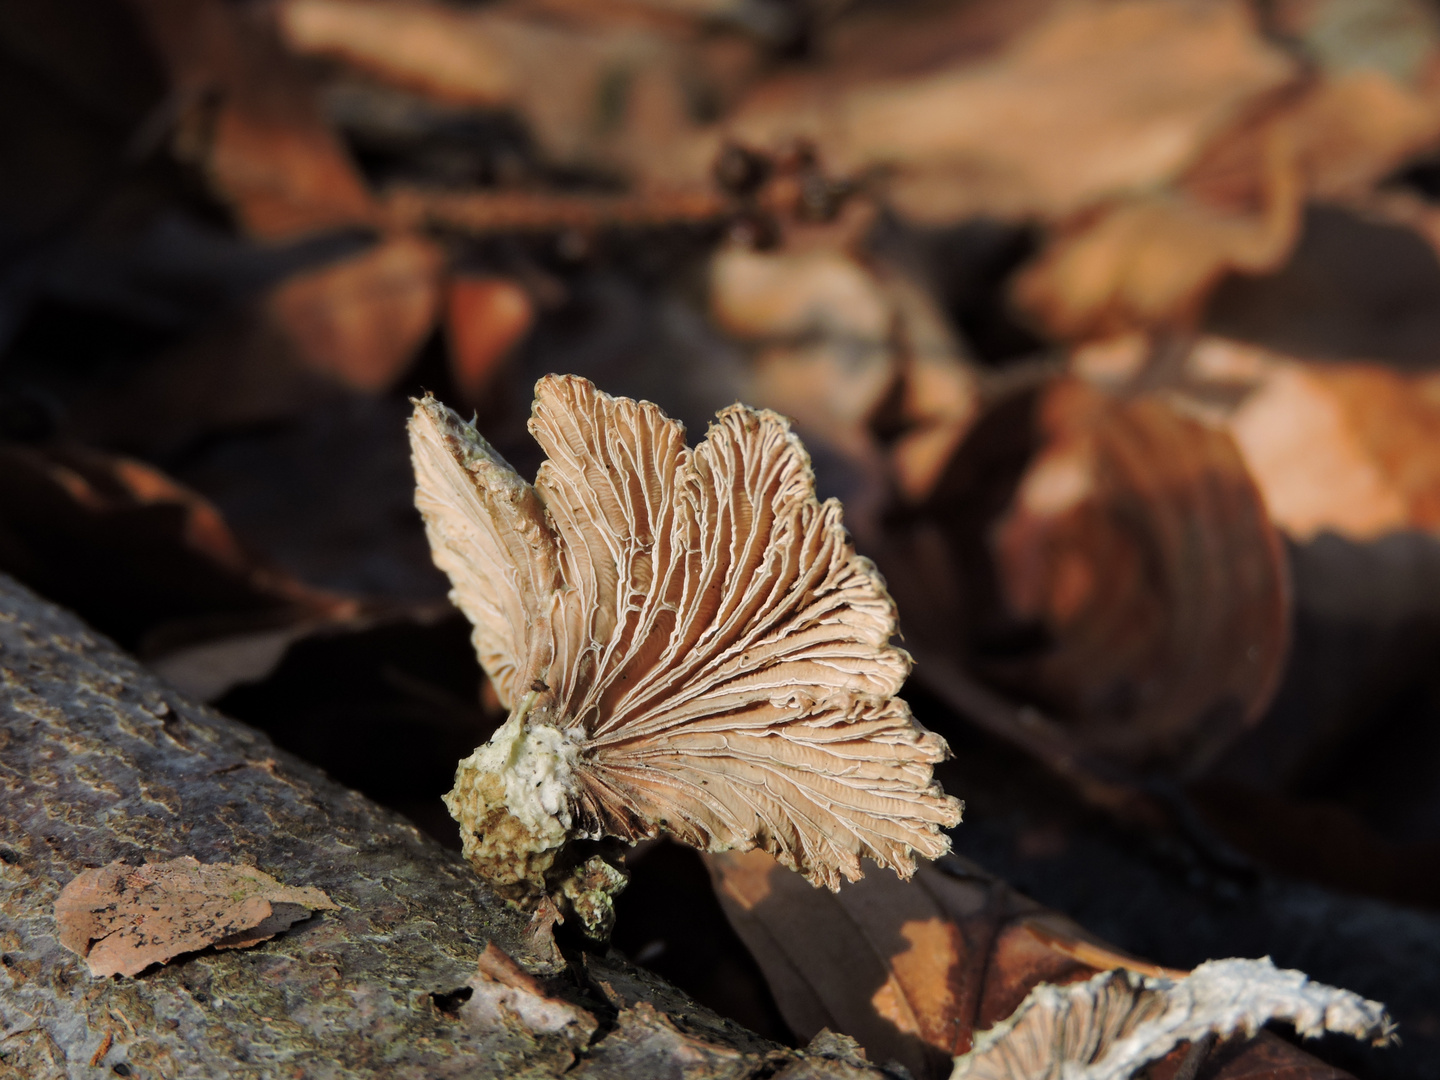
(100, 760)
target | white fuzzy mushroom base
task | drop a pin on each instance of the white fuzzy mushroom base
(537, 763)
(1119, 1021)
(514, 800)
(513, 796)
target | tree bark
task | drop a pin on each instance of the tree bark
(100, 760)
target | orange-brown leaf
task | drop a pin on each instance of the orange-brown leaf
(1110, 558)
(1091, 101)
(123, 919)
(485, 317)
(362, 320)
(266, 149)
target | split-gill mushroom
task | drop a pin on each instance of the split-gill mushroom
(687, 643)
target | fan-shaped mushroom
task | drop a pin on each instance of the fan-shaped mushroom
(687, 643)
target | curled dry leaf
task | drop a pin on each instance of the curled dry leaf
(431, 47)
(1156, 257)
(596, 85)
(123, 919)
(1139, 542)
(485, 318)
(1123, 573)
(1345, 448)
(1119, 1021)
(798, 292)
(1341, 448)
(841, 339)
(1350, 132)
(687, 643)
(820, 326)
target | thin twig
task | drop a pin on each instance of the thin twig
(483, 212)
(102, 1050)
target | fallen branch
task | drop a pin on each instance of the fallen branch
(100, 760)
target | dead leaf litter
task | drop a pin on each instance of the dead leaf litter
(123, 919)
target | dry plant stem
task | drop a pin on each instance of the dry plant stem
(478, 213)
(100, 760)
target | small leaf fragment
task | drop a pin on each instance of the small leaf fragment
(122, 919)
(504, 993)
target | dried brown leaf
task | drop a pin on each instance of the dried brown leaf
(249, 118)
(841, 338)
(1342, 448)
(485, 318)
(362, 320)
(884, 41)
(793, 293)
(687, 640)
(123, 919)
(1266, 1057)
(1071, 556)
(142, 557)
(1353, 130)
(1109, 558)
(596, 84)
(1155, 259)
(1094, 100)
(503, 993)
(1345, 448)
(821, 326)
(433, 48)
